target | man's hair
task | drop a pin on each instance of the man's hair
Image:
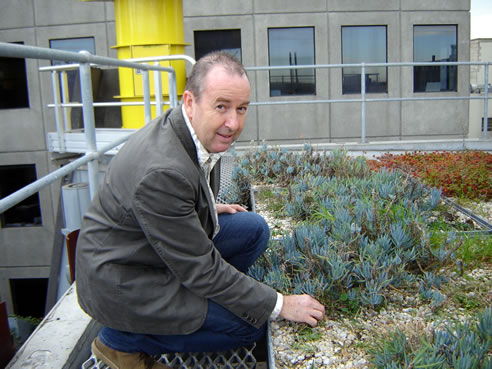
(195, 83)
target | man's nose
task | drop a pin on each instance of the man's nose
(232, 121)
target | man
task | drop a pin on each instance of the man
(159, 264)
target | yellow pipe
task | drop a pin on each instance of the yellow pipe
(147, 28)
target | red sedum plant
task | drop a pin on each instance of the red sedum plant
(463, 174)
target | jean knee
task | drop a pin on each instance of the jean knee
(262, 230)
(252, 335)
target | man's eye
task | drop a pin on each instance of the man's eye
(220, 107)
(242, 109)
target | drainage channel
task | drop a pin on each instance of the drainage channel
(482, 222)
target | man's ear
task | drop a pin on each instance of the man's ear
(188, 100)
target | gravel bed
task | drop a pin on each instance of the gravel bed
(344, 340)
(341, 342)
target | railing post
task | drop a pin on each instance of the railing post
(363, 102)
(173, 94)
(146, 96)
(158, 91)
(89, 124)
(486, 101)
(67, 119)
(56, 100)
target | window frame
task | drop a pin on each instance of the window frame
(293, 73)
(448, 69)
(236, 30)
(358, 89)
(15, 212)
(25, 101)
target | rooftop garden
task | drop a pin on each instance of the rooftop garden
(369, 237)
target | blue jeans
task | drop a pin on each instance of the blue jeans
(242, 239)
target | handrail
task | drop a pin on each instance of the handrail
(84, 57)
(14, 198)
(363, 99)
(85, 61)
(187, 58)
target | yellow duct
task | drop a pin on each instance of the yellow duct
(147, 28)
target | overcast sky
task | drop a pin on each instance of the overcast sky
(481, 19)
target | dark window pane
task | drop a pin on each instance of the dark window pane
(489, 124)
(73, 45)
(435, 44)
(13, 83)
(291, 46)
(29, 296)
(27, 213)
(364, 44)
(228, 40)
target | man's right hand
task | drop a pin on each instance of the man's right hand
(302, 309)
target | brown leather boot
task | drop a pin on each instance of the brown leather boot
(123, 360)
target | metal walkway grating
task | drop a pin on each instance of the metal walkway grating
(226, 167)
(241, 358)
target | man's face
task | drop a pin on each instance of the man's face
(218, 117)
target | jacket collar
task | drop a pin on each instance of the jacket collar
(175, 117)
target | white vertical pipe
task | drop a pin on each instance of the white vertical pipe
(89, 124)
(158, 91)
(363, 104)
(67, 119)
(173, 94)
(58, 115)
(486, 102)
(146, 96)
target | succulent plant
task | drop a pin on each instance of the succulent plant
(357, 231)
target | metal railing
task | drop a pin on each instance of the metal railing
(85, 62)
(364, 99)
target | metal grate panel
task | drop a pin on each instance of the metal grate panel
(240, 358)
(226, 167)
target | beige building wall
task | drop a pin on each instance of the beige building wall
(341, 122)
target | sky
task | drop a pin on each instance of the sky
(481, 19)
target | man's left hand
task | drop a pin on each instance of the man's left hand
(229, 208)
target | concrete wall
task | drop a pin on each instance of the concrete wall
(480, 50)
(26, 252)
(340, 122)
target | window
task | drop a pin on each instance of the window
(74, 45)
(228, 40)
(27, 213)
(29, 296)
(489, 124)
(435, 44)
(13, 83)
(364, 44)
(291, 46)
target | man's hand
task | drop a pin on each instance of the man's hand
(229, 208)
(302, 309)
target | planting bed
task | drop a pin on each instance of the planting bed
(344, 340)
(397, 267)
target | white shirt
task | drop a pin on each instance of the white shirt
(207, 162)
